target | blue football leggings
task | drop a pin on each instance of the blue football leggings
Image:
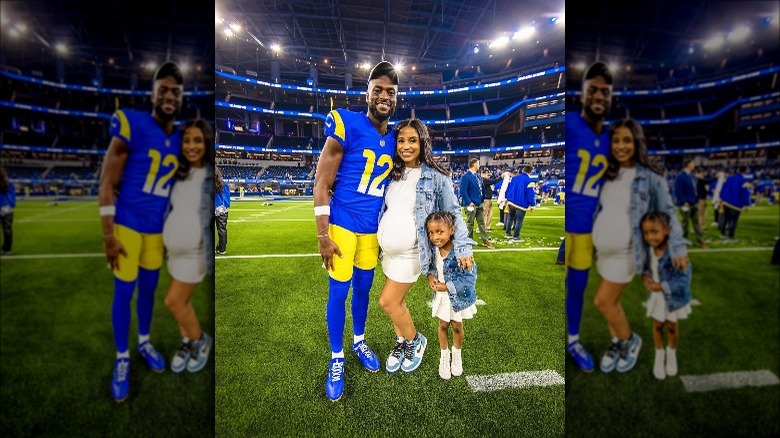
(576, 282)
(120, 309)
(335, 313)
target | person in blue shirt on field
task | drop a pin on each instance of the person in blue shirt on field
(472, 197)
(221, 207)
(521, 197)
(735, 198)
(140, 163)
(687, 200)
(7, 205)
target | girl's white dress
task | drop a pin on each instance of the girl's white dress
(442, 308)
(612, 229)
(397, 233)
(182, 232)
(656, 304)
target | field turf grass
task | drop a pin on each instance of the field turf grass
(736, 328)
(273, 351)
(57, 342)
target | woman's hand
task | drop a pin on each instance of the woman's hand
(466, 262)
(680, 263)
(432, 281)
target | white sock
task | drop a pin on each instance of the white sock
(573, 338)
(659, 351)
(339, 355)
(615, 339)
(358, 338)
(399, 339)
(142, 338)
(445, 351)
(455, 350)
(185, 339)
(123, 355)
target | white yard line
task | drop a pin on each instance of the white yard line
(271, 256)
(732, 380)
(523, 379)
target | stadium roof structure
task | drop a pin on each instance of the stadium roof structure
(645, 41)
(348, 36)
(107, 40)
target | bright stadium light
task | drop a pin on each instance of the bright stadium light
(228, 32)
(524, 33)
(61, 48)
(500, 42)
(235, 27)
(554, 20)
(366, 65)
(475, 49)
(276, 47)
(738, 34)
(714, 43)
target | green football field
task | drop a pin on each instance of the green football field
(57, 342)
(273, 351)
(734, 329)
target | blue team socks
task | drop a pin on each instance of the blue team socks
(147, 283)
(576, 282)
(336, 314)
(361, 286)
(120, 312)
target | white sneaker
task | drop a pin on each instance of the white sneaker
(457, 362)
(671, 362)
(658, 366)
(444, 365)
(500, 224)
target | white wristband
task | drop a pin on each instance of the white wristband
(107, 210)
(322, 210)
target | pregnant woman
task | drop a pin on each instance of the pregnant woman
(418, 186)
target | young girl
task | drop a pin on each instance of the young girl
(454, 290)
(670, 292)
(188, 235)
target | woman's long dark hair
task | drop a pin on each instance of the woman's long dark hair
(208, 139)
(5, 183)
(219, 183)
(640, 149)
(426, 149)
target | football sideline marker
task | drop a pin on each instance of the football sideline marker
(523, 379)
(731, 380)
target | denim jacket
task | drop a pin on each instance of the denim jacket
(675, 283)
(461, 284)
(649, 192)
(435, 192)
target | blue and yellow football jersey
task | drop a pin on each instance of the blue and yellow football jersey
(149, 170)
(586, 162)
(363, 172)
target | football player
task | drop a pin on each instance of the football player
(587, 147)
(357, 157)
(140, 164)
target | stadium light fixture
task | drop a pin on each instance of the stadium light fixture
(476, 49)
(366, 65)
(714, 43)
(20, 27)
(554, 20)
(276, 47)
(524, 33)
(185, 67)
(61, 48)
(738, 34)
(235, 27)
(691, 49)
(228, 32)
(500, 42)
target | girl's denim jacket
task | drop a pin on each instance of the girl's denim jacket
(675, 283)
(435, 192)
(649, 192)
(461, 284)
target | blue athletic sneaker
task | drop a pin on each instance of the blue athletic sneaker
(367, 357)
(610, 358)
(395, 358)
(152, 357)
(581, 357)
(334, 386)
(629, 351)
(199, 353)
(120, 380)
(413, 353)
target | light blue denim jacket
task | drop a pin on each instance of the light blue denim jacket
(649, 192)
(461, 284)
(435, 192)
(675, 283)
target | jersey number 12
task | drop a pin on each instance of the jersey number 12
(158, 188)
(591, 186)
(373, 189)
